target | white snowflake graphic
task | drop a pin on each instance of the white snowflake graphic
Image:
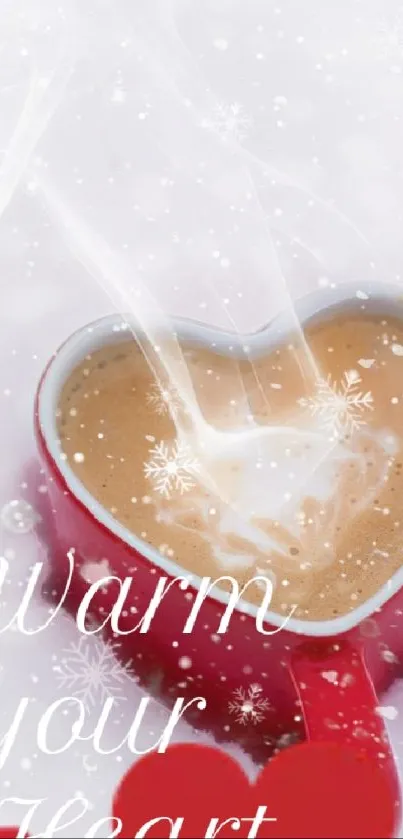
(389, 38)
(162, 400)
(339, 407)
(90, 671)
(171, 468)
(248, 705)
(229, 121)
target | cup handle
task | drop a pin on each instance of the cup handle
(339, 704)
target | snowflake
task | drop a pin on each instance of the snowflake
(229, 121)
(90, 671)
(162, 400)
(339, 407)
(249, 706)
(171, 468)
(389, 38)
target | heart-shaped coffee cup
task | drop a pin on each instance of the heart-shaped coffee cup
(300, 669)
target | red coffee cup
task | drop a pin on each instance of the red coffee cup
(317, 679)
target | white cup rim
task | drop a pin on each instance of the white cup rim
(321, 303)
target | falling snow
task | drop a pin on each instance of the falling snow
(119, 95)
(171, 468)
(93, 572)
(286, 740)
(90, 671)
(220, 44)
(229, 121)
(339, 407)
(388, 712)
(330, 676)
(19, 516)
(389, 656)
(248, 705)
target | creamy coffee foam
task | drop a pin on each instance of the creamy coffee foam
(305, 489)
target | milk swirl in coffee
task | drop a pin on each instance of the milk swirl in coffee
(314, 504)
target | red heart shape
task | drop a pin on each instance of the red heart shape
(312, 790)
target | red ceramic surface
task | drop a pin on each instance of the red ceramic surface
(10, 833)
(320, 682)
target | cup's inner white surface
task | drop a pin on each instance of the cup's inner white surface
(301, 477)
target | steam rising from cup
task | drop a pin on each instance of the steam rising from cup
(175, 191)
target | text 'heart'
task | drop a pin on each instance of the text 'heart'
(310, 790)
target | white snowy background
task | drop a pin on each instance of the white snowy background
(227, 155)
